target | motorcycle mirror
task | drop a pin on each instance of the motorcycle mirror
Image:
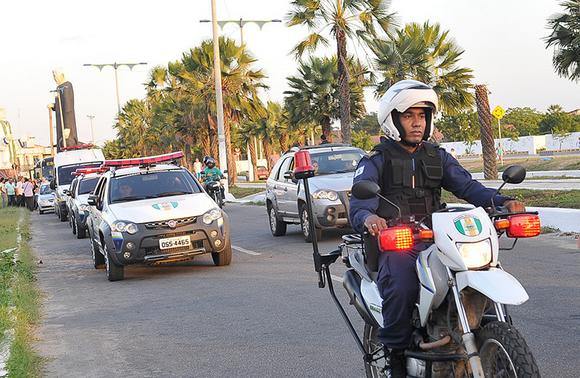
(365, 189)
(514, 174)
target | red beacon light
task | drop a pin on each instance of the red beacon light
(86, 171)
(303, 165)
(150, 160)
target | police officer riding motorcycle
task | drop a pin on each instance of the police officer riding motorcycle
(211, 176)
(411, 173)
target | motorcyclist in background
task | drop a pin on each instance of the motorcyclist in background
(411, 173)
(211, 173)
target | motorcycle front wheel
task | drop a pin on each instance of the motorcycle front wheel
(376, 367)
(504, 352)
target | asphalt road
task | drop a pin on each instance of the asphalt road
(263, 316)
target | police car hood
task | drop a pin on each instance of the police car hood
(339, 182)
(164, 208)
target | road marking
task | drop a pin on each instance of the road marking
(243, 250)
(336, 278)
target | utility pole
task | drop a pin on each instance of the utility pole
(115, 67)
(50, 110)
(91, 117)
(241, 22)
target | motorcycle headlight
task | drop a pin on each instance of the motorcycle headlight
(120, 226)
(211, 215)
(475, 255)
(325, 194)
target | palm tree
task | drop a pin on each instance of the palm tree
(426, 53)
(565, 37)
(346, 19)
(314, 95)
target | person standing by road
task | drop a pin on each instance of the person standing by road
(3, 193)
(11, 192)
(28, 193)
(197, 168)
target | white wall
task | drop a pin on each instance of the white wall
(242, 165)
(529, 144)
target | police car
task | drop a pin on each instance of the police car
(151, 210)
(78, 208)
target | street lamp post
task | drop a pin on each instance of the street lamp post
(115, 67)
(91, 117)
(241, 22)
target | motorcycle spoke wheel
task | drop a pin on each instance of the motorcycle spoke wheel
(376, 368)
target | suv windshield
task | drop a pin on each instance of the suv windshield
(65, 176)
(152, 185)
(330, 162)
(88, 185)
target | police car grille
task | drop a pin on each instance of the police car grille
(163, 224)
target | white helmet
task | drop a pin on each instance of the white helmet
(401, 96)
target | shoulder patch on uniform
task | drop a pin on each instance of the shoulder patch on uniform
(359, 171)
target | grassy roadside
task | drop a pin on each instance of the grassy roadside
(18, 289)
(240, 192)
(540, 198)
(532, 163)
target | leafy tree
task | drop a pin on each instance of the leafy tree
(525, 120)
(424, 52)
(460, 127)
(369, 124)
(345, 19)
(362, 139)
(565, 37)
(557, 121)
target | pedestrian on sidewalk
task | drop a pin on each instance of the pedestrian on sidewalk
(197, 168)
(11, 192)
(3, 192)
(28, 194)
(19, 192)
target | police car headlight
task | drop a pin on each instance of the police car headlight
(211, 215)
(83, 207)
(120, 226)
(325, 194)
(475, 255)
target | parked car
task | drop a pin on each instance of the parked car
(153, 213)
(335, 165)
(45, 199)
(262, 173)
(78, 208)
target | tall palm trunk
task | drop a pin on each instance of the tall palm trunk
(232, 169)
(267, 151)
(326, 130)
(343, 86)
(254, 156)
(283, 140)
(487, 142)
(188, 157)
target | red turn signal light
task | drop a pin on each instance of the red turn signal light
(143, 161)
(426, 234)
(524, 226)
(399, 238)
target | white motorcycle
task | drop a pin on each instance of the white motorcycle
(461, 323)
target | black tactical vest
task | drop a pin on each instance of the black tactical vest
(411, 181)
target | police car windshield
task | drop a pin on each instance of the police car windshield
(326, 163)
(87, 185)
(65, 176)
(152, 185)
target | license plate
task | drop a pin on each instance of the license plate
(176, 242)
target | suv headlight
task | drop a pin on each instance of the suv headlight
(475, 255)
(120, 226)
(211, 215)
(325, 194)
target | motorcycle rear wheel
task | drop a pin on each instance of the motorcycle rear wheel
(504, 352)
(372, 345)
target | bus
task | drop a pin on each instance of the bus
(44, 168)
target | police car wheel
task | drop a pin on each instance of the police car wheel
(224, 257)
(73, 225)
(114, 272)
(305, 226)
(277, 227)
(81, 231)
(98, 258)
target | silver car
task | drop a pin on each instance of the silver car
(330, 187)
(45, 199)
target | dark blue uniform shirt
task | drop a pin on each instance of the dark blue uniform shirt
(456, 180)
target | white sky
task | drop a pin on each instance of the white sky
(502, 42)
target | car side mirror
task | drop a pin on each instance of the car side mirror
(514, 174)
(92, 200)
(66, 192)
(289, 175)
(365, 189)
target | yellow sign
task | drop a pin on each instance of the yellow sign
(498, 112)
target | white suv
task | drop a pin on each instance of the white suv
(153, 213)
(330, 187)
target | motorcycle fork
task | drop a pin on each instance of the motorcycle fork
(467, 337)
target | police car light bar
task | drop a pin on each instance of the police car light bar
(86, 171)
(143, 161)
(86, 146)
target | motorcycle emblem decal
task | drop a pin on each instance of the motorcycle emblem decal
(172, 223)
(468, 225)
(165, 206)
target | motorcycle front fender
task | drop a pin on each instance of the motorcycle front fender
(496, 284)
